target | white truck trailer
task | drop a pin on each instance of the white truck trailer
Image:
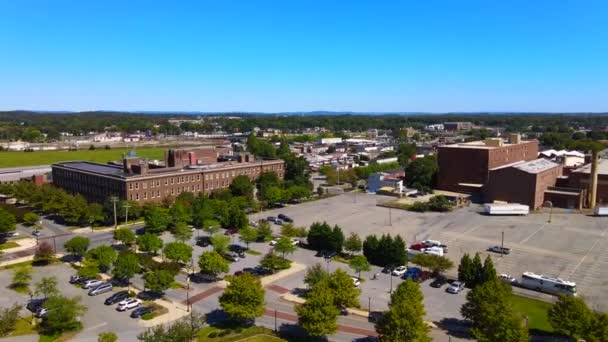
(600, 211)
(506, 209)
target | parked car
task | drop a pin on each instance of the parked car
(285, 218)
(507, 278)
(356, 281)
(439, 282)
(231, 256)
(128, 304)
(253, 224)
(91, 283)
(117, 297)
(203, 241)
(455, 287)
(412, 272)
(103, 288)
(35, 304)
(12, 234)
(41, 312)
(500, 250)
(36, 233)
(295, 242)
(76, 279)
(330, 254)
(388, 268)
(278, 222)
(261, 271)
(231, 231)
(295, 201)
(399, 271)
(271, 219)
(140, 311)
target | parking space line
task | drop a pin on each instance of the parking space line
(588, 252)
(531, 235)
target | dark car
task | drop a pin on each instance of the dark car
(439, 282)
(285, 218)
(412, 272)
(388, 268)
(245, 270)
(294, 201)
(271, 219)
(117, 297)
(237, 248)
(203, 241)
(76, 279)
(35, 304)
(261, 271)
(500, 250)
(140, 311)
(330, 254)
(231, 231)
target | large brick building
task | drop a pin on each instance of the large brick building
(196, 171)
(465, 167)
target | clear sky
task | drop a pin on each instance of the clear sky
(291, 55)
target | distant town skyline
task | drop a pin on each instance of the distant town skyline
(271, 56)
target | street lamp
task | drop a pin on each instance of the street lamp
(327, 260)
(550, 205)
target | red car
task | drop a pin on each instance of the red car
(418, 246)
(231, 231)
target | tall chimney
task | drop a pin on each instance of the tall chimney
(593, 181)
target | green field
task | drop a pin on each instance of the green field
(537, 312)
(13, 159)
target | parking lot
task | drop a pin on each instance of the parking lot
(572, 246)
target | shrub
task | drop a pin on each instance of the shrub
(212, 334)
(147, 316)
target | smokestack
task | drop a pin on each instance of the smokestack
(593, 181)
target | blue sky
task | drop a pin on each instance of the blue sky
(289, 55)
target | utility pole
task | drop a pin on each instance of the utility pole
(114, 199)
(390, 217)
(126, 206)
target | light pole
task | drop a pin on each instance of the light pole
(390, 274)
(126, 206)
(327, 260)
(550, 205)
(502, 244)
(114, 199)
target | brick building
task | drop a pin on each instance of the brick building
(195, 171)
(580, 178)
(465, 167)
(526, 183)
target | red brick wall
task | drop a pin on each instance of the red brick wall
(461, 165)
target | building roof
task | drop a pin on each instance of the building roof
(536, 166)
(480, 144)
(104, 169)
(602, 167)
(560, 153)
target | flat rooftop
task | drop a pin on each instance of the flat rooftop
(103, 169)
(536, 166)
(480, 144)
(602, 168)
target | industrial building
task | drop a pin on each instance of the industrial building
(185, 170)
(465, 167)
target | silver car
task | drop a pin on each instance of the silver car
(103, 288)
(455, 287)
(91, 283)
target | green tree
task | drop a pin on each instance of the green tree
(211, 262)
(22, 276)
(124, 235)
(126, 266)
(9, 318)
(477, 271)
(359, 264)
(274, 262)
(318, 316)
(89, 269)
(220, 242)
(104, 256)
(179, 214)
(77, 246)
(437, 264)
(248, 235)
(314, 275)
(598, 329)
(178, 252)
(243, 298)
(465, 270)
(156, 219)
(405, 153)
(63, 314)
(273, 195)
(182, 232)
(211, 228)
(7, 221)
(107, 337)
(488, 272)
(241, 186)
(158, 280)
(319, 236)
(95, 213)
(264, 231)
(404, 320)
(490, 311)
(30, 219)
(345, 292)
(421, 172)
(149, 242)
(182, 330)
(285, 246)
(47, 287)
(570, 316)
(353, 244)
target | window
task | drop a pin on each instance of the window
(157, 183)
(198, 177)
(137, 197)
(144, 184)
(172, 191)
(145, 195)
(166, 181)
(192, 188)
(131, 197)
(157, 193)
(206, 177)
(130, 186)
(137, 185)
(172, 180)
(178, 180)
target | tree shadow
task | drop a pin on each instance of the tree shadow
(366, 339)
(455, 327)
(293, 332)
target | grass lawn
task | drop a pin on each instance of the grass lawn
(13, 159)
(537, 312)
(23, 289)
(253, 252)
(253, 334)
(25, 263)
(9, 244)
(23, 327)
(58, 337)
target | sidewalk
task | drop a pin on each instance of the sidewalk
(24, 243)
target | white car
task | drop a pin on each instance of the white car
(91, 283)
(12, 234)
(356, 281)
(128, 304)
(42, 312)
(455, 287)
(295, 241)
(273, 242)
(399, 271)
(507, 278)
